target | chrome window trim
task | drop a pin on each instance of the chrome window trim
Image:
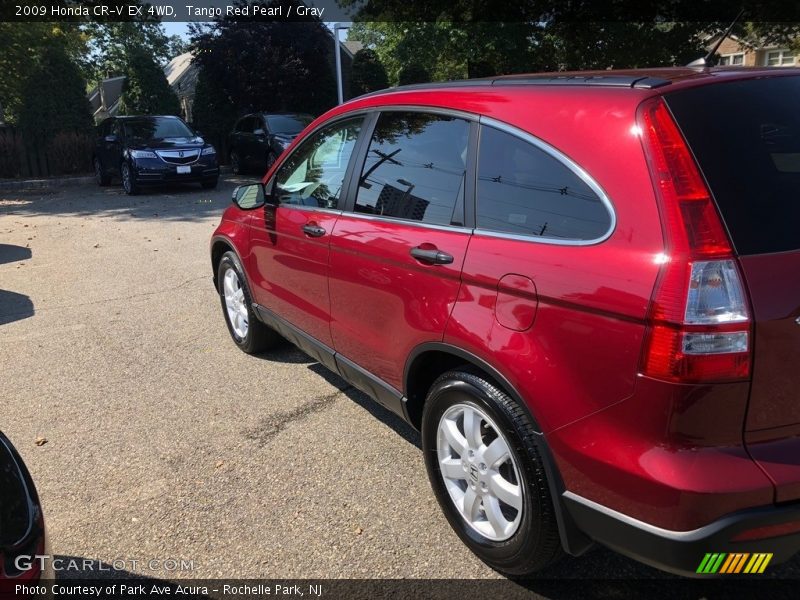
(399, 221)
(435, 110)
(332, 211)
(567, 162)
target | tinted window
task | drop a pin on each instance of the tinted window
(415, 168)
(524, 190)
(156, 129)
(290, 124)
(313, 175)
(746, 137)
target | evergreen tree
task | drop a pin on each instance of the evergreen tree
(146, 90)
(54, 98)
(368, 73)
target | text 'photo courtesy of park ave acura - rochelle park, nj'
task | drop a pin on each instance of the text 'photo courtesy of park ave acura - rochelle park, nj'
(377, 299)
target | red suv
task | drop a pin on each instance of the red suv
(582, 289)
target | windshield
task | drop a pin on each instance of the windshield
(291, 124)
(158, 128)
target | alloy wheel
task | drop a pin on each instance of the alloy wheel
(126, 178)
(480, 472)
(235, 303)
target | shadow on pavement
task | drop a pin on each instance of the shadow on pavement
(14, 307)
(12, 253)
(287, 353)
(187, 202)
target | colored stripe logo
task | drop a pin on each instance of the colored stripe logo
(741, 562)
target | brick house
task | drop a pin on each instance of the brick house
(737, 52)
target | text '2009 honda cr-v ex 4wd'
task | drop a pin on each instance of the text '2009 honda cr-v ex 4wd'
(583, 290)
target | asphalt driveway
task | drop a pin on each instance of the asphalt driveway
(165, 442)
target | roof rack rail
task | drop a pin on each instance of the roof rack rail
(625, 81)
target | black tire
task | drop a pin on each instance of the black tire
(271, 158)
(128, 179)
(236, 163)
(210, 184)
(535, 544)
(100, 175)
(259, 337)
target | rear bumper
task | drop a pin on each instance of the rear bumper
(682, 552)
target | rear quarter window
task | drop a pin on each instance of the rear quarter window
(745, 136)
(525, 190)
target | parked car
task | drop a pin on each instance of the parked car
(22, 530)
(581, 288)
(152, 150)
(258, 139)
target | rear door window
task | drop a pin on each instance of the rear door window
(415, 168)
(745, 136)
(524, 190)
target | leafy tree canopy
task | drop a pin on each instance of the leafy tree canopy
(22, 46)
(44, 113)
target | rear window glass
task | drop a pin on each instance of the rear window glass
(746, 138)
(526, 191)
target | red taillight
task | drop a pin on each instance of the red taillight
(699, 320)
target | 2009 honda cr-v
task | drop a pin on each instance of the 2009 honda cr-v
(583, 289)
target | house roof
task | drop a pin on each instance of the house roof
(178, 67)
(105, 96)
(353, 46)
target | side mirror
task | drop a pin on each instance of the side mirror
(248, 197)
(259, 132)
(111, 138)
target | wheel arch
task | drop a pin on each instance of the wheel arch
(219, 246)
(428, 361)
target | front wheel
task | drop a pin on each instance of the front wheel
(250, 334)
(487, 474)
(128, 180)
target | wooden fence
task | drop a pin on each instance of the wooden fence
(68, 153)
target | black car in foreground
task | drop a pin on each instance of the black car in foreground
(22, 532)
(258, 139)
(152, 150)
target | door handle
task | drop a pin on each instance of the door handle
(313, 230)
(431, 256)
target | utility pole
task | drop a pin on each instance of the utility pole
(337, 53)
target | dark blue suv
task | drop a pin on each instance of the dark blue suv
(152, 150)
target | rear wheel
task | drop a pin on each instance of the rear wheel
(250, 334)
(487, 474)
(100, 175)
(128, 180)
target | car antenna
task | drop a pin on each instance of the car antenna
(708, 60)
